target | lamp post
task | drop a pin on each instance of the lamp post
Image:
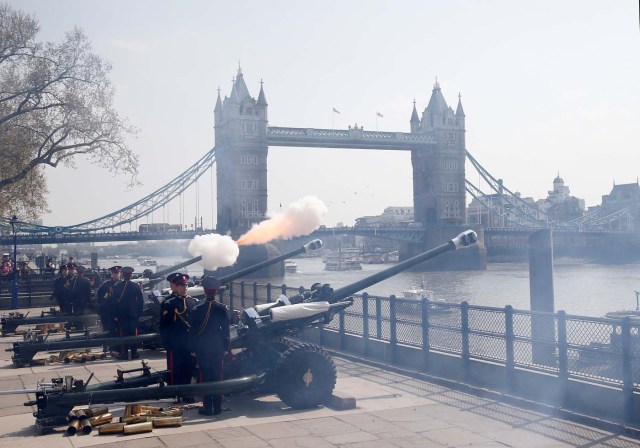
(15, 288)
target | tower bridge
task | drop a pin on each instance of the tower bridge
(436, 142)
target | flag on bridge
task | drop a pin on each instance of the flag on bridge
(379, 114)
(336, 111)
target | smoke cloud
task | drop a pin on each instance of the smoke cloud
(300, 218)
(217, 251)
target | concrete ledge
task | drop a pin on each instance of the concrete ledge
(341, 401)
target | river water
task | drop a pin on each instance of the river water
(581, 288)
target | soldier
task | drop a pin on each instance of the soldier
(127, 303)
(174, 329)
(80, 290)
(61, 291)
(209, 340)
(104, 294)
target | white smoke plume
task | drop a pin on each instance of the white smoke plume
(299, 219)
(217, 251)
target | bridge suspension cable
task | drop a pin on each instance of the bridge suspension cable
(518, 206)
(139, 209)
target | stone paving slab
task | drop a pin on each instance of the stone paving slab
(392, 410)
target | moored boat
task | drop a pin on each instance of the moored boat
(290, 266)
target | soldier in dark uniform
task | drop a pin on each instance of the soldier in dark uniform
(209, 339)
(175, 313)
(61, 293)
(127, 303)
(80, 290)
(105, 291)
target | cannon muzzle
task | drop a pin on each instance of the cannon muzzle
(466, 238)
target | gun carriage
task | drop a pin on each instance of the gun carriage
(302, 375)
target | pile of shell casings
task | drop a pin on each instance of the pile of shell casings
(139, 418)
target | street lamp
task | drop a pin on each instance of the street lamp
(15, 288)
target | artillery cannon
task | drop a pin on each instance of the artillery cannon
(302, 375)
(24, 351)
(261, 335)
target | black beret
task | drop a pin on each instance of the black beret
(115, 268)
(127, 270)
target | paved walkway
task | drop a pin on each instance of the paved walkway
(393, 410)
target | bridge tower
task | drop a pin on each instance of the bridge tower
(438, 171)
(241, 157)
(439, 181)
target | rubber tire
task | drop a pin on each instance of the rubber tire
(291, 372)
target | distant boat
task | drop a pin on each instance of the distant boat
(633, 314)
(148, 262)
(393, 257)
(290, 266)
(415, 294)
(340, 264)
(418, 293)
(373, 258)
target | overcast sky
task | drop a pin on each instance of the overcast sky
(547, 87)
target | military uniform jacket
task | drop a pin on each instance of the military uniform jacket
(60, 292)
(175, 315)
(126, 299)
(209, 328)
(106, 289)
(80, 290)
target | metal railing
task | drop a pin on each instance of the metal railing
(599, 351)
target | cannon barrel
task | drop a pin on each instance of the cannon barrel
(464, 239)
(312, 245)
(149, 393)
(159, 275)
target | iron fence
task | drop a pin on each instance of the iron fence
(593, 350)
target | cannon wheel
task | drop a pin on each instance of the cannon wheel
(305, 376)
(270, 360)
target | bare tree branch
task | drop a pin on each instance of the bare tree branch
(55, 104)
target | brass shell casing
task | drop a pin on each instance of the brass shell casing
(131, 419)
(111, 428)
(165, 422)
(101, 419)
(98, 410)
(73, 428)
(173, 412)
(149, 409)
(131, 409)
(138, 428)
(86, 427)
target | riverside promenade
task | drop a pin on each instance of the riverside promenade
(394, 409)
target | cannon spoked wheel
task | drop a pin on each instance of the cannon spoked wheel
(305, 377)
(283, 344)
(269, 361)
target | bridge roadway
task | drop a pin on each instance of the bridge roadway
(404, 234)
(355, 138)
(395, 408)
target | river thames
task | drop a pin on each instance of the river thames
(581, 288)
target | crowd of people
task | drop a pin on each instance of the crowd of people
(194, 334)
(6, 270)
